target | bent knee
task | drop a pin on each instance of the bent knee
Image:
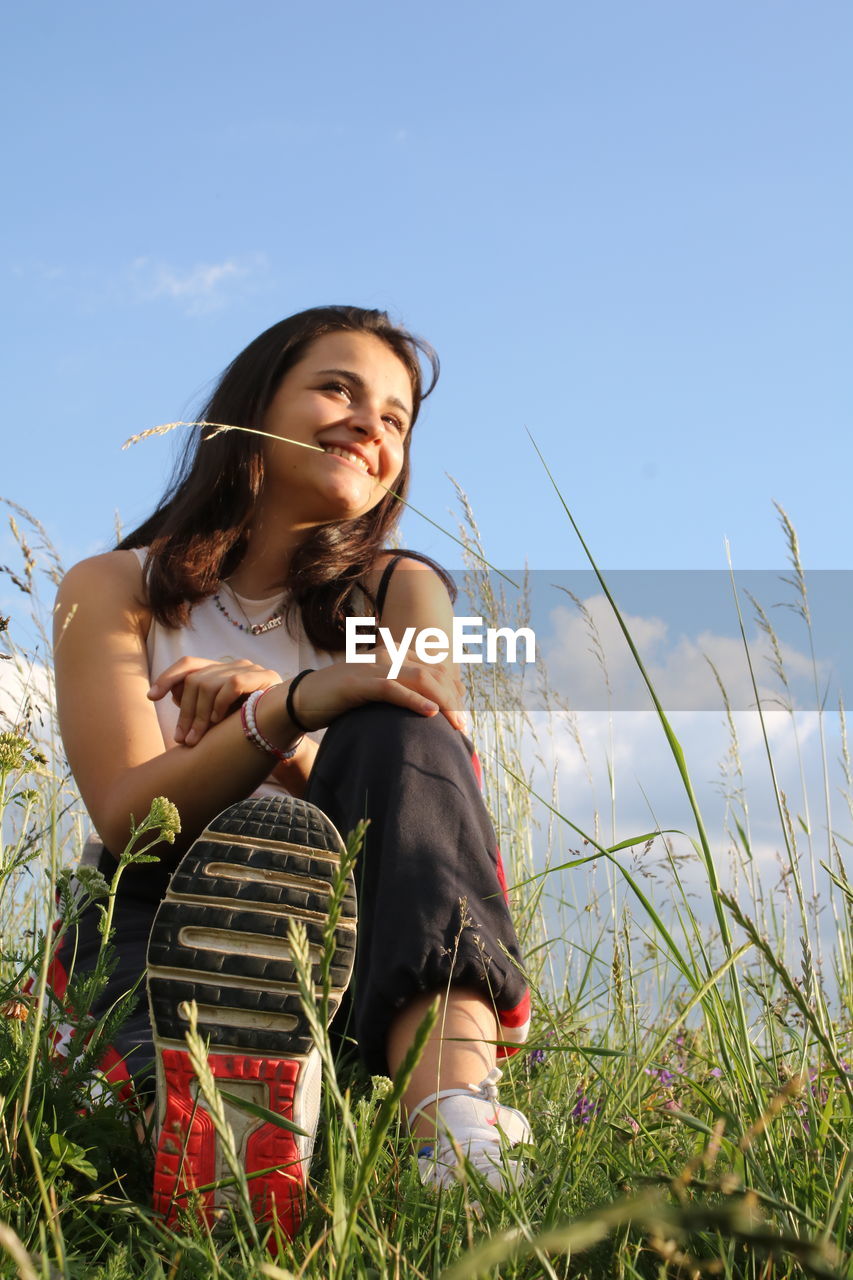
(388, 724)
(393, 721)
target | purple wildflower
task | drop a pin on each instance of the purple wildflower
(585, 1109)
(663, 1077)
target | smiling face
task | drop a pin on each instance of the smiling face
(350, 398)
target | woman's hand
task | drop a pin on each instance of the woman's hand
(207, 692)
(325, 694)
(415, 597)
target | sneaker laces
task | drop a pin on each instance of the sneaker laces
(471, 1125)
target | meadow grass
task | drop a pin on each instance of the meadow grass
(688, 1078)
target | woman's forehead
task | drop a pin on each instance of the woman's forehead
(363, 353)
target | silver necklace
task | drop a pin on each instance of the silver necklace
(252, 628)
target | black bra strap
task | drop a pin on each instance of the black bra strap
(382, 589)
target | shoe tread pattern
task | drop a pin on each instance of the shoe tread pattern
(288, 820)
(191, 877)
(258, 908)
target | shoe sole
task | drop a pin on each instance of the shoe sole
(220, 938)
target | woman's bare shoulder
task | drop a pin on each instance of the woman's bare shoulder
(401, 561)
(107, 583)
(112, 566)
(415, 594)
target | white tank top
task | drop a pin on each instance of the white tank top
(210, 634)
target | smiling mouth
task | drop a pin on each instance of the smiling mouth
(337, 451)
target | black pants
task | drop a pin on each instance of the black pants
(431, 892)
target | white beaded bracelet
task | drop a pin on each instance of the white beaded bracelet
(253, 733)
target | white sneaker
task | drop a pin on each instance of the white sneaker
(472, 1126)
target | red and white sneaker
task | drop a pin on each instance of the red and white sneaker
(220, 938)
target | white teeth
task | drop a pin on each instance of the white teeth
(345, 453)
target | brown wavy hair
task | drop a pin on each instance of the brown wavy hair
(198, 534)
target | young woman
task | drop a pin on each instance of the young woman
(195, 662)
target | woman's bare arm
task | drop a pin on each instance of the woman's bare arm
(110, 728)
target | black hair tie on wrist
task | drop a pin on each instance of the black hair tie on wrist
(288, 706)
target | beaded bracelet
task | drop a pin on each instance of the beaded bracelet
(253, 733)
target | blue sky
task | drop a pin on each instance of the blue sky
(625, 227)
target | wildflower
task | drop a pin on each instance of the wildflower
(16, 1010)
(13, 751)
(536, 1057)
(662, 1094)
(382, 1087)
(93, 881)
(164, 814)
(585, 1108)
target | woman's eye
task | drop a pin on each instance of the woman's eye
(396, 423)
(338, 386)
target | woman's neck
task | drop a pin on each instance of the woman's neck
(265, 565)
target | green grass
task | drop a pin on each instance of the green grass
(688, 1079)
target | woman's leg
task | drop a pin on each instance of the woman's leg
(460, 1051)
(433, 916)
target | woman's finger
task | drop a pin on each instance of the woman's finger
(402, 695)
(224, 700)
(437, 684)
(206, 691)
(177, 693)
(199, 690)
(234, 691)
(173, 677)
(186, 710)
(214, 692)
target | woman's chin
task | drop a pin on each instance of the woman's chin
(343, 507)
(347, 502)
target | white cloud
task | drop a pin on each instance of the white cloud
(197, 288)
(629, 762)
(678, 666)
(628, 784)
(26, 693)
(201, 288)
(38, 270)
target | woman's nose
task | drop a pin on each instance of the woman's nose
(366, 420)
